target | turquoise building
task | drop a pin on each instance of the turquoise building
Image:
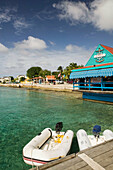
(97, 73)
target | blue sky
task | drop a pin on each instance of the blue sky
(50, 33)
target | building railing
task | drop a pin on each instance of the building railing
(90, 85)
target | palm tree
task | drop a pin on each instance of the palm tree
(60, 68)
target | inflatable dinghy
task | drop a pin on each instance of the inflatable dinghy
(86, 141)
(48, 146)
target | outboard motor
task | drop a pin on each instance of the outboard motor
(59, 127)
(96, 131)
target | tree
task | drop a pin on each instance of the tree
(47, 72)
(68, 69)
(11, 78)
(55, 73)
(73, 65)
(33, 72)
(60, 68)
(43, 73)
(22, 79)
(67, 72)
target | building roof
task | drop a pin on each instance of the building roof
(102, 55)
(52, 77)
(94, 67)
(92, 73)
(100, 63)
(35, 78)
(110, 49)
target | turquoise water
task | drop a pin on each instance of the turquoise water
(24, 113)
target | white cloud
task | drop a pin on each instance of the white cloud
(7, 14)
(74, 48)
(3, 48)
(20, 23)
(52, 43)
(32, 43)
(10, 15)
(99, 13)
(72, 10)
(18, 60)
(102, 14)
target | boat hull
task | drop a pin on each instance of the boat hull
(47, 147)
(86, 141)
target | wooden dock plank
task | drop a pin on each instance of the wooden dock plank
(93, 164)
(86, 168)
(69, 166)
(107, 157)
(78, 168)
(79, 165)
(110, 167)
(81, 168)
(98, 150)
(64, 164)
(101, 154)
(69, 157)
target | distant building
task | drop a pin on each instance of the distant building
(50, 78)
(1, 80)
(96, 78)
(7, 79)
(19, 77)
(97, 73)
(38, 79)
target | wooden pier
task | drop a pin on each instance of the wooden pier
(97, 158)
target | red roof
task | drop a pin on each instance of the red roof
(52, 77)
(94, 66)
(110, 49)
(38, 78)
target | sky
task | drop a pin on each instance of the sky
(51, 33)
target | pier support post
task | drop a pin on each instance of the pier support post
(89, 82)
(73, 84)
(102, 83)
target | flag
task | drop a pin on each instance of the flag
(63, 76)
(59, 74)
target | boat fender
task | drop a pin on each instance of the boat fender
(108, 134)
(83, 139)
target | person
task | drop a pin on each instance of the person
(54, 82)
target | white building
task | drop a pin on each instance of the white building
(1, 80)
(7, 79)
(19, 77)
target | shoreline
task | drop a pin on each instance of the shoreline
(68, 88)
(50, 87)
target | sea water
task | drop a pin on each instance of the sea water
(24, 113)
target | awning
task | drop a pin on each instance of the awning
(92, 73)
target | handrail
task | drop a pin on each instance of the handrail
(89, 85)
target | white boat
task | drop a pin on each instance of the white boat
(86, 141)
(48, 146)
